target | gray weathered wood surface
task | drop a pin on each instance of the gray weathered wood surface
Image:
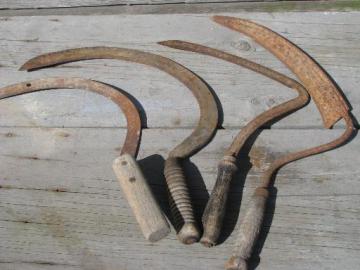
(60, 204)
(30, 4)
(242, 93)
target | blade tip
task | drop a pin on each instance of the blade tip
(162, 42)
(166, 42)
(26, 66)
(171, 43)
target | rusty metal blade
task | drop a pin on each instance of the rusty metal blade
(208, 109)
(275, 112)
(187, 228)
(132, 115)
(326, 95)
(329, 101)
(215, 209)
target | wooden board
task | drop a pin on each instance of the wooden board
(17, 4)
(61, 204)
(243, 94)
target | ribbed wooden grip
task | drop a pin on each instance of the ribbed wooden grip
(180, 202)
(213, 216)
(148, 214)
(249, 231)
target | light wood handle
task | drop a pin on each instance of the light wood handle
(249, 231)
(148, 214)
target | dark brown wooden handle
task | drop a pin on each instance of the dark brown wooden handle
(180, 202)
(249, 231)
(213, 216)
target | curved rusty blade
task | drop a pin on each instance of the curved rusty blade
(186, 226)
(208, 109)
(275, 112)
(215, 208)
(329, 101)
(132, 140)
(147, 212)
(326, 95)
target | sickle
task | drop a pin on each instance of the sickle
(150, 218)
(329, 101)
(188, 232)
(215, 209)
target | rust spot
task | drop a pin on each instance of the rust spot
(10, 134)
(63, 134)
(260, 156)
(117, 149)
(176, 121)
(59, 189)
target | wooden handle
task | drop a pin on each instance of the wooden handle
(249, 231)
(213, 216)
(180, 203)
(148, 214)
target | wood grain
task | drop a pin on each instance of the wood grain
(61, 204)
(242, 93)
(23, 4)
(144, 205)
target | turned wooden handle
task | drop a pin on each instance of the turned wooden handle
(148, 214)
(180, 202)
(249, 231)
(213, 216)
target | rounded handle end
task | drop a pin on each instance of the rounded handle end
(207, 241)
(189, 234)
(236, 263)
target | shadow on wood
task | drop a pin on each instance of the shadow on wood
(266, 225)
(138, 105)
(152, 168)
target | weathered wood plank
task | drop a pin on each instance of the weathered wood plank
(32, 4)
(330, 38)
(61, 206)
(192, 8)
